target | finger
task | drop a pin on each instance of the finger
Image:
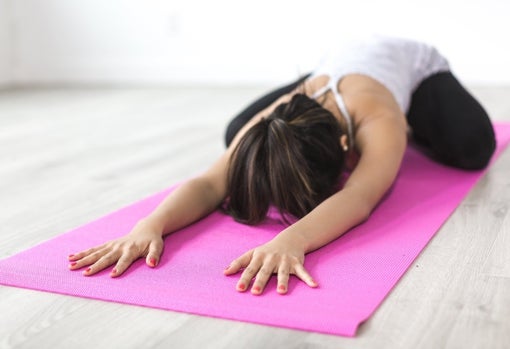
(123, 263)
(283, 278)
(239, 263)
(88, 260)
(301, 273)
(102, 263)
(261, 279)
(264, 274)
(248, 274)
(155, 251)
(82, 254)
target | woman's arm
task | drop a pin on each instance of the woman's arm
(382, 143)
(381, 140)
(191, 201)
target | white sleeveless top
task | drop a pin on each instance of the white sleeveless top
(398, 64)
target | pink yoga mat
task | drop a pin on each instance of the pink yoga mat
(355, 272)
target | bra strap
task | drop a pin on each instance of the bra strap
(343, 108)
(332, 85)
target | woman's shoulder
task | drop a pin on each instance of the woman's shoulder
(367, 99)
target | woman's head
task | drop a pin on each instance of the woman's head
(291, 159)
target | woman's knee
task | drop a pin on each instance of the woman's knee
(452, 122)
(474, 150)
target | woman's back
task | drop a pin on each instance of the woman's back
(398, 64)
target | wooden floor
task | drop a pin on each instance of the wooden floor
(70, 155)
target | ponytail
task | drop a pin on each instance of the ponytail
(291, 159)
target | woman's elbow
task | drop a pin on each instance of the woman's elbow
(365, 213)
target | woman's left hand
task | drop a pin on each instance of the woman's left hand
(279, 256)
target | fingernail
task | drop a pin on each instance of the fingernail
(227, 267)
(70, 256)
(282, 288)
(72, 264)
(256, 289)
(241, 286)
(87, 270)
(152, 261)
(114, 271)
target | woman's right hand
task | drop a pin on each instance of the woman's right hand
(145, 240)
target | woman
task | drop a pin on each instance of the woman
(289, 148)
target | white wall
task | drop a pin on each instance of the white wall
(5, 43)
(232, 41)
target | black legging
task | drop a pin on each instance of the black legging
(445, 119)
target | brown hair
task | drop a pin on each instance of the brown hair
(291, 159)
